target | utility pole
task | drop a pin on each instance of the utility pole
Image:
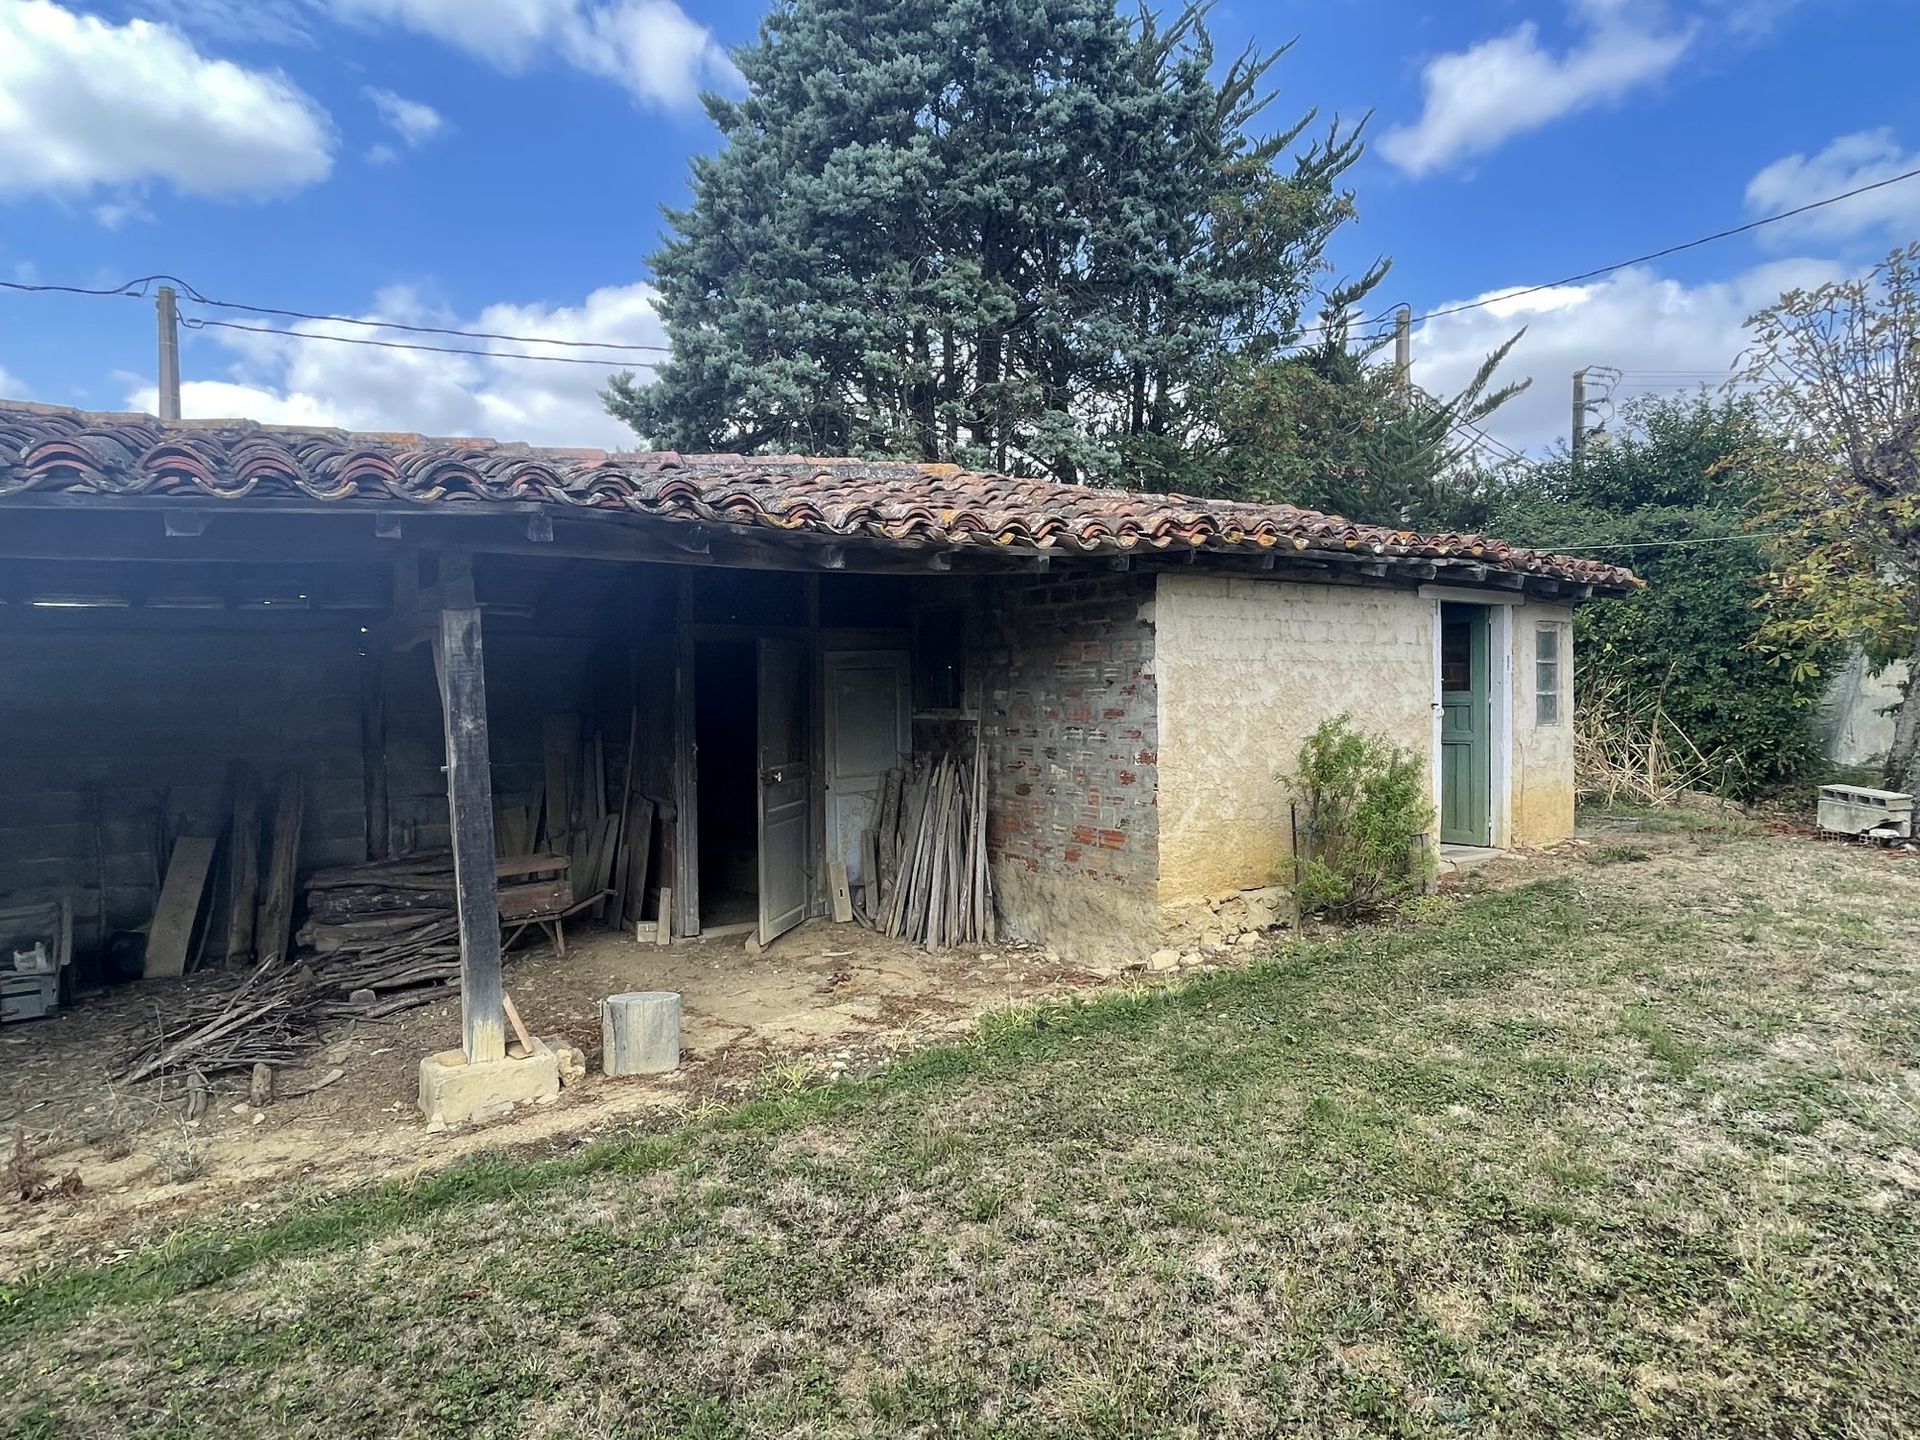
(1403, 346)
(169, 354)
(1579, 415)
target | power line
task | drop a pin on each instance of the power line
(137, 289)
(201, 323)
(1661, 254)
(138, 286)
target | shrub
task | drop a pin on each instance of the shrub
(1367, 815)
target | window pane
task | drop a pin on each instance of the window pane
(1456, 655)
(1546, 674)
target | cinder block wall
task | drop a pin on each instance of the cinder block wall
(1246, 669)
(113, 735)
(1072, 734)
(113, 728)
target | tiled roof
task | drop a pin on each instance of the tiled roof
(45, 449)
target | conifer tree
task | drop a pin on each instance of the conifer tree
(1027, 234)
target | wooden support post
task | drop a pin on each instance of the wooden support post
(373, 750)
(463, 705)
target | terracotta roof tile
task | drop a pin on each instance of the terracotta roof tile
(43, 449)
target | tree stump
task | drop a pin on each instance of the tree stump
(640, 1032)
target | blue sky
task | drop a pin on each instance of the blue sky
(501, 164)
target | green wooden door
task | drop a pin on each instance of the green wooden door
(1466, 725)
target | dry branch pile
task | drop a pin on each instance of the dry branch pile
(935, 889)
(379, 938)
(1627, 747)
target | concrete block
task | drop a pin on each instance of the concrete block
(640, 1032)
(454, 1089)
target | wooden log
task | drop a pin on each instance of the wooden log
(640, 1032)
(274, 928)
(463, 705)
(243, 862)
(170, 935)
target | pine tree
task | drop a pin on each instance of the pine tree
(1028, 234)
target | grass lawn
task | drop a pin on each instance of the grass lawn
(1631, 1149)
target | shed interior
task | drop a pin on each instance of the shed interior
(149, 695)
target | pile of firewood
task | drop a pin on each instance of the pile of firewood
(931, 855)
(379, 938)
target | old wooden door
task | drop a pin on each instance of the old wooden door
(785, 786)
(1466, 725)
(867, 735)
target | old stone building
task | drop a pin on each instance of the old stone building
(760, 640)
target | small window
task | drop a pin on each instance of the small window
(1548, 656)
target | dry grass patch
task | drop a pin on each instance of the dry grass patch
(1628, 1151)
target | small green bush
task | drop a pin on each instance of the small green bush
(1367, 813)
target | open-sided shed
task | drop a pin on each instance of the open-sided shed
(742, 650)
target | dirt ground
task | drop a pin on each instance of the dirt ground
(826, 999)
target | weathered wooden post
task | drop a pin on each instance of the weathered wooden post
(463, 704)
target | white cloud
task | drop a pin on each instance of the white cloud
(280, 380)
(1848, 163)
(412, 121)
(652, 47)
(1481, 97)
(85, 104)
(1666, 336)
(10, 388)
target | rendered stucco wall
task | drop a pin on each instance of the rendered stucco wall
(1246, 668)
(1541, 803)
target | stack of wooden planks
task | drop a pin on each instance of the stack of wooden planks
(592, 813)
(931, 852)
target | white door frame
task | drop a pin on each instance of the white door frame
(1500, 633)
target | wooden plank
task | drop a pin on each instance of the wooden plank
(171, 933)
(373, 752)
(513, 1019)
(243, 863)
(595, 808)
(663, 925)
(842, 896)
(463, 705)
(617, 911)
(637, 855)
(273, 930)
(560, 750)
(535, 897)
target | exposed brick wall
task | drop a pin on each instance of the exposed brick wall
(1072, 738)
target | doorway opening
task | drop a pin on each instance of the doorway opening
(725, 714)
(1466, 725)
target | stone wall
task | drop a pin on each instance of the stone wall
(1246, 668)
(1072, 736)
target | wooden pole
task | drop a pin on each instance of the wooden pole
(373, 751)
(243, 862)
(463, 706)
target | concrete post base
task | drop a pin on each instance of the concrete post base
(454, 1090)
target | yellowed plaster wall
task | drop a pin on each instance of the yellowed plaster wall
(1246, 668)
(1542, 794)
